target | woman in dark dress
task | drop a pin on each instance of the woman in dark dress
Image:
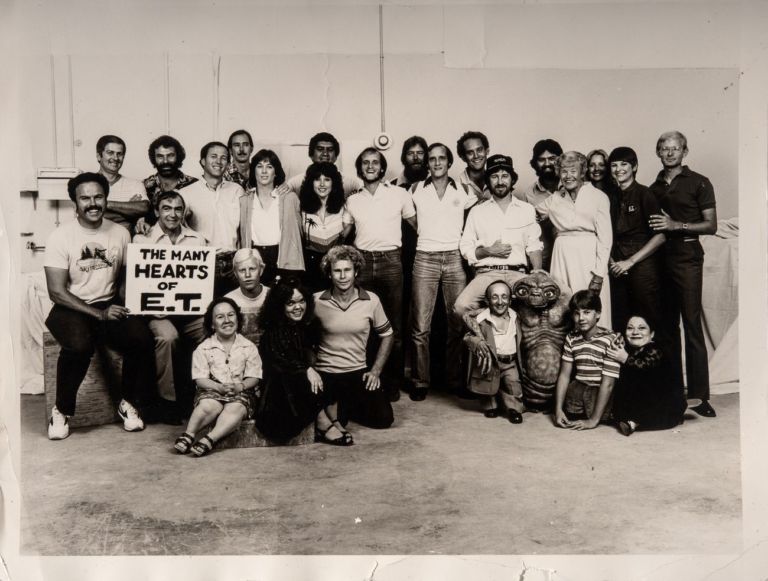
(646, 396)
(292, 396)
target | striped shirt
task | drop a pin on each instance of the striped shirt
(589, 356)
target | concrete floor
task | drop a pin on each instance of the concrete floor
(443, 480)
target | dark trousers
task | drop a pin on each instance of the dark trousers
(79, 335)
(382, 274)
(636, 293)
(684, 264)
(367, 407)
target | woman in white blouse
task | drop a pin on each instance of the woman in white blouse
(581, 216)
(321, 200)
(270, 217)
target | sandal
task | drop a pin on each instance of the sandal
(344, 440)
(346, 436)
(184, 443)
(202, 446)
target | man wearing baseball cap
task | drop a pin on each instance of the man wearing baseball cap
(501, 236)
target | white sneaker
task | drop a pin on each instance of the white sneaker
(58, 427)
(131, 420)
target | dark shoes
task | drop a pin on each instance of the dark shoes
(705, 410)
(492, 413)
(514, 417)
(394, 395)
(626, 428)
(418, 393)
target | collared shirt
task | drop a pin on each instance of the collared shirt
(377, 217)
(630, 211)
(345, 330)
(211, 361)
(505, 340)
(470, 187)
(401, 181)
(92, 257)
(440, 221)
(187, 237)
(154, 186)
(232, 174)
(265, 222)
(589, 356)
(516, 226)
(684, 198)
(535, 195)
(214, 212)
(350, 183)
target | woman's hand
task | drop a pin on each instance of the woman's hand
(584, 424)
(371, 379)
(315, 381)
(617, 351)
(561, 420)
(621, 267)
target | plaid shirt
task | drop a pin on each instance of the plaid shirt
(154, 187)
(232, 175)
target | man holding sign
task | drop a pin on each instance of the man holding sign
(176, 336)
(83, 268)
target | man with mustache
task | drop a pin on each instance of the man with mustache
(84, 267)
(127, 197)
(413, 158)
(377, 211)
(324, 147)
(473, 149)
(166, 155)
(500, 237)
(240, 145)
(543, 162)
(176, 336)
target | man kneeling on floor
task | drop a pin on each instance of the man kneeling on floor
(494, 343)
(84, 264)
(583, 403)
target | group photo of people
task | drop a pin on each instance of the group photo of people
(336, 293)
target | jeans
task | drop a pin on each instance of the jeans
(382, 274)
(79, 335)
(430, 269)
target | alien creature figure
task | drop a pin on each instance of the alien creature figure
(541, 304)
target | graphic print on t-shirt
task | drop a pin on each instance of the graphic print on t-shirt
(93, 256)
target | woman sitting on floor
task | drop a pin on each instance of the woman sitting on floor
(227, 369)
(646, 396)
(292, 394)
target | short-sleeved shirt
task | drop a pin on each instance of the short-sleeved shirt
(251, 309)
(344, 331)
(93, 258)
(685, 198)
(377, 217)
(321, 234)
(156, 235)
(231, 174)
(471, 188)
(124, 190)
(214, 213)
(630, 211)
(515, 226)
(589, 356)
(210, 360)
(154, 188)
(440, 221)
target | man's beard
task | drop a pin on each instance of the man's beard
(415, 173)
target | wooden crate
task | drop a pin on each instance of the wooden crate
(247, 436)
(97, 397)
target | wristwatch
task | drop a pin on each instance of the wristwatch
(685, 225)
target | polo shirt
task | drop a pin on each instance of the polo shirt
(187, 237)
(516, 226)
(345, 330)
(590, 356)
(504, 340)
(440, 222)
(214, 212)
(684, 198)
(377, 217)
(630, 211)
(534, 194)
(471, 188)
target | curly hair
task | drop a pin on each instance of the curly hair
(271, 157)
(168, 142)
(208, 317)
(273, 313)
(543, 145)
(341, 252)
(308, 198)
(572, 158)
(323, 136)
(469, 135)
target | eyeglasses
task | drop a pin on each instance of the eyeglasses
(675, 149)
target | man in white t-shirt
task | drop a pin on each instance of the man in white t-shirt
(377, 211)
(440, 207)
(250, 295)
(176, 336)
(127, 197)
(84, 263)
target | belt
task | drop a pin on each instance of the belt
(379, 252)
(506, 358)
(269, 247)
(517, 267)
